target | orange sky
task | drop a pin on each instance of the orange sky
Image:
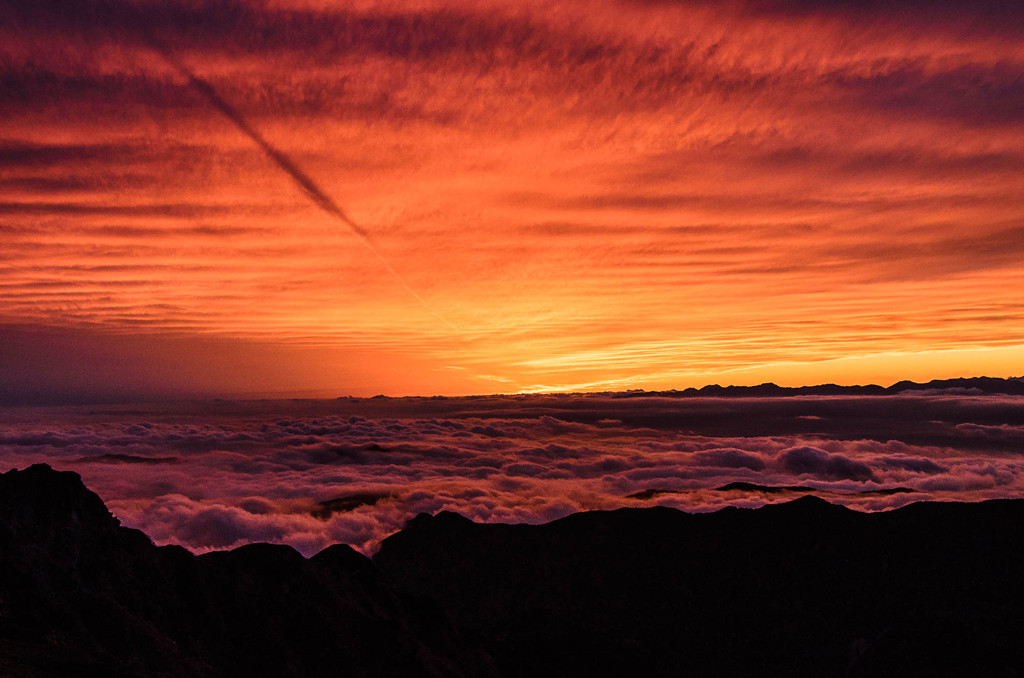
(645, 194)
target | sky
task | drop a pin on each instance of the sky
(313, 473)
(451, 197)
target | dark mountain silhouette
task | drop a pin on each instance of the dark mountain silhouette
(963, 386)
(804, 588)
(82, 596)
(741, 486)
(653, 492)
(798, 589)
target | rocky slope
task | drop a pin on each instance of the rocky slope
(798, 589)
(82, 596)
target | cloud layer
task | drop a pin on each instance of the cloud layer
(314, 473)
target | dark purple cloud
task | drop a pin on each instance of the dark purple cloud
(730, 458)
(916, 464)
(126, 459)
(24, 154)
(997, 16)
(179, 210)
(973, 94)
(814, 461)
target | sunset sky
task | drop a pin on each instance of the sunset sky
(526, 195)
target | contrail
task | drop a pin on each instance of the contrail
(303, 180)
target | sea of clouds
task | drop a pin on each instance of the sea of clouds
(312, 473)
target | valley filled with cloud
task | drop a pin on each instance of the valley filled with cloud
(312, 473)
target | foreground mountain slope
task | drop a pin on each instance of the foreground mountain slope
(82, 596)
(798, 589)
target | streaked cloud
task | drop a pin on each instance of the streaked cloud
(656, 194)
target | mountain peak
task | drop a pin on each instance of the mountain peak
(52, 507)
(81, 595)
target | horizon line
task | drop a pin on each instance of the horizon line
(735, 390)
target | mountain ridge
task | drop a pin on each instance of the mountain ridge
(81, 595)
(955, 386)
(802, 588)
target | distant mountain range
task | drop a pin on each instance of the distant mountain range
(804, 588)
(961, 386)
(958, 386)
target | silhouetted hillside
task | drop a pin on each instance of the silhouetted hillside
(798, 589)
(82, 596)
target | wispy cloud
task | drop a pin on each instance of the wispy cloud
(750, 183)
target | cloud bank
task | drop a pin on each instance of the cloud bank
(315, 473)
